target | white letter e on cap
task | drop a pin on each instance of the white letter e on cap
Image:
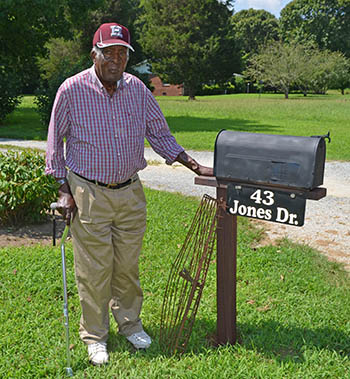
(116, 31)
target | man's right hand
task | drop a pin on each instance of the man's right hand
(65, 203)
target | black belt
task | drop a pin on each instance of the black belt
(110, 186)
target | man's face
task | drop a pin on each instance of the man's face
(111, 64)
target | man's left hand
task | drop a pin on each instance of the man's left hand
(204, 171)
(193, 165)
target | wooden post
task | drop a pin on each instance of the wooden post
(226, 266)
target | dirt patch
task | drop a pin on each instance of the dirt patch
(28, 235)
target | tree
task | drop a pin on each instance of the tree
(278, 65)
(189, 41)
(330, 70)
(124, 12)
(64, 60)
(9, 91)
(283, 66)
(67, 57)
(324, 22)
(308, 68)
(341, 72)
(25, 27)
(254, 28)
(60, 52)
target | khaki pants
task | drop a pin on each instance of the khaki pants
(107, 233)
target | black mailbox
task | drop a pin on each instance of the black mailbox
(272, 160)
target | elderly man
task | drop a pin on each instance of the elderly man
(104, 114)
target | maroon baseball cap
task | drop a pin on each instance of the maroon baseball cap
(112, 34)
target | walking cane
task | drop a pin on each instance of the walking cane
(69, 370)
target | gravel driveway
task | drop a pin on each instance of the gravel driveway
(327, 221)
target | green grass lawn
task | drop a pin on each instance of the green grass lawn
(195, 124)
(293, 311)
(24, 122)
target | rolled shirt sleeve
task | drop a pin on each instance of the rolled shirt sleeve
(58, 128)
(158, 133)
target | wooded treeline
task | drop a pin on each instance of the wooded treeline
(200, 43)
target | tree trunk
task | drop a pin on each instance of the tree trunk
(191, 93)
(285, 89)
(191, 96)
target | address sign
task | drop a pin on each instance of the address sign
(266, 204)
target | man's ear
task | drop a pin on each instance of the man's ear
(93, 55)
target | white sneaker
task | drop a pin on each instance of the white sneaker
(140, 340)
(98, 353)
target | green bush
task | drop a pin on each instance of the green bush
(63, 61)
(208, 90)
(240, 84)
(236, 85)
(46, 93)
(10, 89)
(25, 191)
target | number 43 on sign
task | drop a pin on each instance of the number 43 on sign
(280, 206)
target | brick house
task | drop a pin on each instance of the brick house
(160, 88)
(165, 89)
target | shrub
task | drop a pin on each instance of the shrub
(207, 90)
(63, 61)
(10, 88)
(46, 93)
(217, 89)
(240, 84)
(62, 53)
(25, 191)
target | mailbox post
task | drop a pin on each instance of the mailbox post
(261, 176)
(226, 277)
(226, 266)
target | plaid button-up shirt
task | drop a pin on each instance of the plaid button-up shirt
(105, 135)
